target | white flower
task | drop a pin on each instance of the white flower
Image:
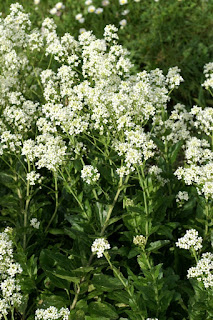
(78, 16)
(99, 10)
(99, 246)
(35, 223)
(105, 3)
(32, 177)
(125, 12)
(181, 197)
(88, 2)
(36, 2)
(9, 285)
(89, 174)
(208, 71)
(82, 20)
(91, 9)
(139, 240)
(203, 270)
(82, 30)
(59, 6)
(122, 2)
(123, 23)
(53, 11)
(174, 78)
(190, 240)
(52, 313)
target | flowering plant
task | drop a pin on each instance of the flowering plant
(93, 159)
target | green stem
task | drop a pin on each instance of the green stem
(95, 194)
(112, 205)
(119, 275)
(12, 314)
(194, 254)
(207, 217)
(77, 292)
(143, 186)
(26, 208)
(73, 194)
(51, 57)
(56, 201)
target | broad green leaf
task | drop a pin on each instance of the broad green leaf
(106, 283)
(58, 301)
(156, 245)
(100, 309)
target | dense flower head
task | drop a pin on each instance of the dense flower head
(99, 246)
(181, 197)
(9, 269)
(190, 240)
(140, 241)
(35, 223)
(89, 174)
(203, 271)
(52, 313)
(174, 78)
(208, 71)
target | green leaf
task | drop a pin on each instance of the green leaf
(175, 150)
(156, 245)
(63, 275)
(106, 283)
(57, 301)
(100, 309)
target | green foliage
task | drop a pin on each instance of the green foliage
(129, 280)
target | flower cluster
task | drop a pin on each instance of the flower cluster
(9, 269)
(203, 270)
(181, 197)
(208, 71)
(198, 169)
(203, 119)
(89, 174)
(177, 127)
(35, 223)
(99, 246)
(52, 313)
(33, 177)
(190, 240)
(140, 241)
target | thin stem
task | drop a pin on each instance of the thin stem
(119, 275)
(26, 208)
(95, 194)
(207, 217)
(73, 193)
(112, 205)
(51, 57)
(145, 201)
(12, 314)
(76, 297)
(194, 254)
(56, 202)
